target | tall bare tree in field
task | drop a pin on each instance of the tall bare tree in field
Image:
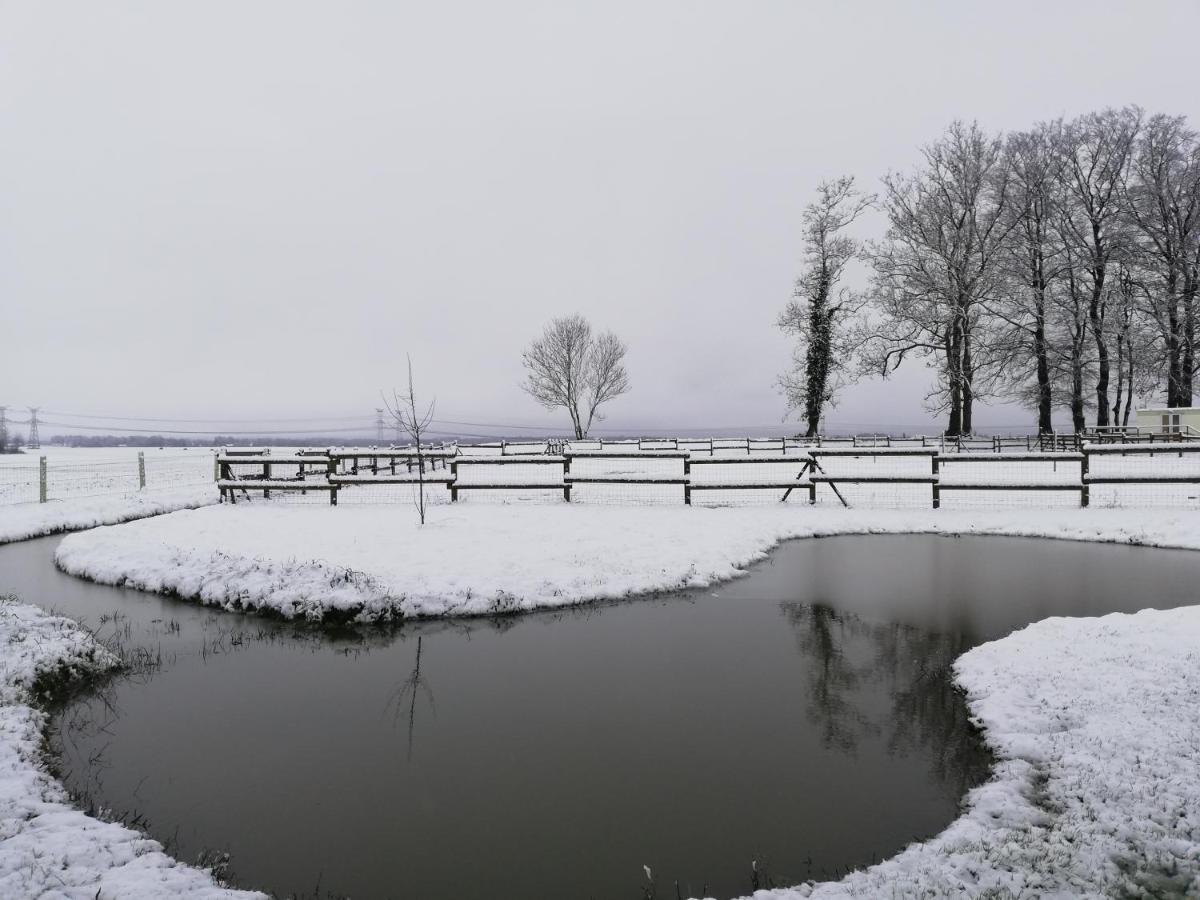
(1033, 261)
(1164, 202)
(405, 412)
(1096, 151)
(817, 311)
(937, 264)
(571, 368)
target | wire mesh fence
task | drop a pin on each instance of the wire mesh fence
(64, 475)
(19, 481)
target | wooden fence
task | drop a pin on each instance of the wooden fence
(334, 470)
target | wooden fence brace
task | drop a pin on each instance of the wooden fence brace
(804, 468)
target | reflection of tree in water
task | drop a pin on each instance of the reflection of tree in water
(403, 701)
(855, 663)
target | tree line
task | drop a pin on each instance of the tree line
(1057, 267)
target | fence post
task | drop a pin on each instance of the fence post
(566, 472)
(937, 491)
(1084, 491)
(217, 466)
(454, 481)
(42, 479)
(141, 470)
(687, 488)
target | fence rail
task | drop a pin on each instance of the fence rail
(865, 469)
(623, 464)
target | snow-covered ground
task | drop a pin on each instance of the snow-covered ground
(375, 562)
(47, 848)
(28, 520)
(1096, 726)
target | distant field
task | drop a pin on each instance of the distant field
(100, 472)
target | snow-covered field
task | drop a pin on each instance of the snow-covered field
(375, 562)
(47, 848)
(28, 520)
(76, 473)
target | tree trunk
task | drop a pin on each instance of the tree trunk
(1097, 322)
(1078, 420)
(817, 362)
(1045, 398)
(968, 390)
(954, 379)
(1119, 393)
(1174, 350)
(1129, 389)
(1188, 366)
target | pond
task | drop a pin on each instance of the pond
(800, 719)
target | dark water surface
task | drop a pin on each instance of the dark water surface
(801, 716)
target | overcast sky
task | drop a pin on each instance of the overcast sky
(254, 210)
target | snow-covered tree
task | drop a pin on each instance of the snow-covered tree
(938, 263)
(569, 367)
(1031, 261)
(1164, 203)
(1096, 150)
(818, 310)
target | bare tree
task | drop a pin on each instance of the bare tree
(570, 368)
(404, 412)
(1070, 341)
(1032, 259)
(1164, 203)
(1096, 151)
(937, 264)
(813, 316)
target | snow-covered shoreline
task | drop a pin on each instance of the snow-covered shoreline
(29, 520)
(47, 847)
(374, 563)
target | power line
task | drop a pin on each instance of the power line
(203, 421)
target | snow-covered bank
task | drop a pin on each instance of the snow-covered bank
(47, 848)
(1096, 724)
(29, 520)
(375, 562)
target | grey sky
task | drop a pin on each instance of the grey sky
(255, 209)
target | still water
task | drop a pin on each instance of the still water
(801, 718)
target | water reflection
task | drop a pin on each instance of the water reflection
(853, 662)
(403, 702)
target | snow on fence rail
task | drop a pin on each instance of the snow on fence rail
(845, 474)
